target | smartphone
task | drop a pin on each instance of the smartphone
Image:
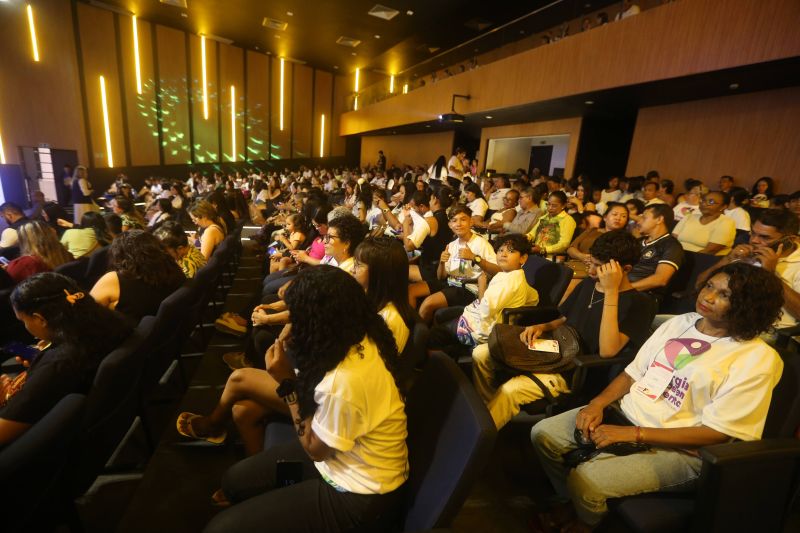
(288, 473)
(785, 241)
(4, 261)
(20, 349)
(544, 345)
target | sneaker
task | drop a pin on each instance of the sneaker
(236, 360)
(226, 324)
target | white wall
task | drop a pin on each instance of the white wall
(507, 155)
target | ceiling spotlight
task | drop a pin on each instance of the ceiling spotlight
(490, 117)
(589, 102)
(733, 86)
(377, 36)
(409, 12)
(185, 15)
(290, 13)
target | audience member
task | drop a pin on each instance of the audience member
(702, 378)
(82, 191)
(75, 334)
(88, 238)
(709, 231)
(529, 211)
(615, 218)
(39, 251)
(661, 253)
(9, 239)
(205, 216)
(553, 231)
(740, 216)
(690, 202)
(175, 242)
(606, 312)
(763, 190)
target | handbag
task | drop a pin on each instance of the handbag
(506, 347)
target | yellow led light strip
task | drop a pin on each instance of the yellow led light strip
(32, 27)
(233, 122)
(391, 84)
(2, 153)
(322, 137)
(281, 104)
(355, 88)
(105, 121)
(205, 76)
(136, 57)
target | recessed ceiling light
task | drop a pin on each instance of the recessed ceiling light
(377, 36)
(352, 53)
(185, 15)
(409, 12)
(733, 86)
(290, 13)
(589, 102)
(490, 117)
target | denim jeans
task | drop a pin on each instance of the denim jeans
(606, 476)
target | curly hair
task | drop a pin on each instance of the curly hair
(138, 254)
(39, 239)
(350, 229)
(515, 242)
(85, 326)
(330, 314)
(388, 274)
(618, 245)
(756, 299)
(171, 235)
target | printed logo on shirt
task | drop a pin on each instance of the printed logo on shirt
(648, 254)
(679, 353)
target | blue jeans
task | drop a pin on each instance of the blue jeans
(607, 476)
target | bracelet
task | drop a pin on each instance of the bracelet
(639, 435)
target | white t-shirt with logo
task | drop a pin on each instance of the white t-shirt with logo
(361, 416)
(496, 199)
(478, 206)
(683, 378)
(463, 269)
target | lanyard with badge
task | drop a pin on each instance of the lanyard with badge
(658, 377)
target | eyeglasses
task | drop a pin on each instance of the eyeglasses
(709, 201)
(328, 237)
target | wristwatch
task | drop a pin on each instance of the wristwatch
(477, 259)
(287, 390)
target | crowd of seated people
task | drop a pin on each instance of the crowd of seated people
(353, 260)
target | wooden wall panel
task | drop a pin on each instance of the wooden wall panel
(205, 131)
(98, 43)
(340, 95)
(746, 136)
(323, 91)
(420, 149)
(40, 102)
(140, 108)
(570, 126)
(673, 40)
(173, 95)
(279, 148)
(302, 111)
(232, 74)
(257, 106)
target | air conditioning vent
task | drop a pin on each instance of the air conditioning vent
(274, 24)
(174, 3)
(351, 42)
(383, 12)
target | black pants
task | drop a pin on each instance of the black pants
(311, 505)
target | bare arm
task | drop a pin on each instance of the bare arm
(11, 431)
(711, 248)
(106, 290)
(659, 278)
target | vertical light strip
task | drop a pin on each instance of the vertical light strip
(205, 76)
(32, 27)
(2, 153)
(391, 84)
(322, 137)
(355, 103)
(136, 57)
(405, 88)
(355, 88)
(281, 103)
(105, 121)
(233, 122)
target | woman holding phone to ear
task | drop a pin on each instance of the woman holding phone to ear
(75, 334)
(348, 415)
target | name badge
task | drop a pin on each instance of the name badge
(654, 382)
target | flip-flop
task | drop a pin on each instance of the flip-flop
(186, 430)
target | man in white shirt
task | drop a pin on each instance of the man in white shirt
(773, 246)
(498, 192)
(650, 193)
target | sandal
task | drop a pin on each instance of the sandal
(184, 427)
